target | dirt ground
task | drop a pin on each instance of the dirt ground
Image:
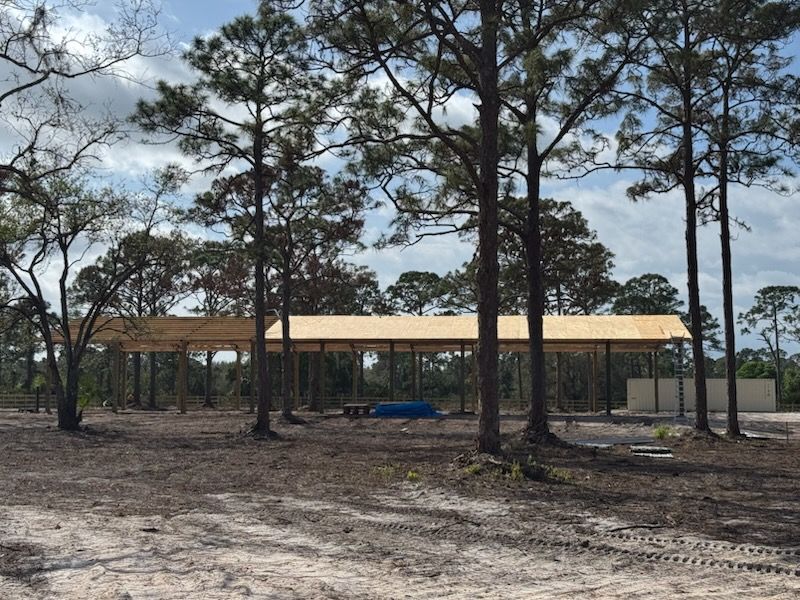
(161, 505)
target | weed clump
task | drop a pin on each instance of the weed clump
(385, 471)
(662, 432)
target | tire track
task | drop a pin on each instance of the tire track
(515, 524)
(552, 538)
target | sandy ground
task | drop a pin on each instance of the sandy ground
(168, 506)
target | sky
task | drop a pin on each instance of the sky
(646, 237)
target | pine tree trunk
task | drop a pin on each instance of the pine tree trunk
(537, 428)
(727, 283)
(690, 198)
(286, 344)
(778, 386)
(264, 387)
(488, 268)
(66, 398)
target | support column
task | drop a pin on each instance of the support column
(462, 392)
(114, 349)
(183, 378)
(595, 380)
(655, 378)
(123, 400)
(253, 379)
(296, 379)
(474, 381)
(421, 364)
(237, 384)
(322, 378)
(391, 371)
(608, 378)
(413, 374)
(355, 374)
(519, 381)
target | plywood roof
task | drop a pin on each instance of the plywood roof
(447, 333)
(167, 334)
(339, 333)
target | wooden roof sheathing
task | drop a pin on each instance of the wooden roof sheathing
(343, 333)
(167, 334)
(447, 333)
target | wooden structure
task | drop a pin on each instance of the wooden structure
(357, 334)
(180, 335)
(438, 333)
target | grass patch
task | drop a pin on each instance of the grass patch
(473, 469)
(413, 476)
(385, 471)
(662, 432)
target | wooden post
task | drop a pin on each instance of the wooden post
(413, 374)
(253, 379)
(114, 349)
(355, 374)
(608, 378)
(462, 372)
(391, 371)
(595, 380)
(322, 378)
(474, 382)
(421, 362)
(123, 401)
(655, 379)
(519, 380)
(183, 378)
(296, 379)
(237, 384)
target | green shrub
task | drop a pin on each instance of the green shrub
(385, 471)
(472, 469)
(662, 432)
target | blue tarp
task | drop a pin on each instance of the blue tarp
(408, 410)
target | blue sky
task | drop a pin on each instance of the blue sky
(646, 237)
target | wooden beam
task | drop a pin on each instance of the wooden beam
(354, 355)
(183, 377)
(595, 380)
(462, 373)
(608, 378)
(253, 379)
(296, 378)
(391, 371)
(237, 383)
(655, 378)
(413, 374)
(114, 349)
(321, 402)
(475, 399)
(123, 401)
(420, 385)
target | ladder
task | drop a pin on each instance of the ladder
(678, 364)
